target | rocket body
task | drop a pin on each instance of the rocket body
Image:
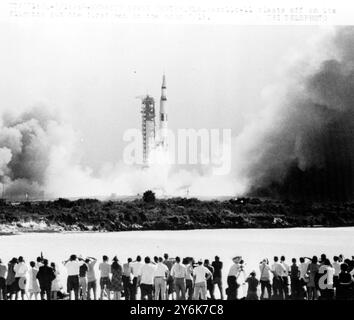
(163, 114)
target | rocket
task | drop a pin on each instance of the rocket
(163, 114)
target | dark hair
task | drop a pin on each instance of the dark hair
(115, 265)
(293, 260)
(178, 259)
(160, 259)
(282, 258)
(39, 259)
(115, 258)
(52, 264)
(302, 260)
(276, 258)
(105, 258)
(217, 258)
(73, 257)
(129, 260)
(156, 259)
(45, 262)
(87, 260)
(32, 264)
(314, 259)
(138, 258)
(206, 261)
(335, 258)
(20, 259)
(147, 259)
(327, 262)
(165, 256)
(344, 267)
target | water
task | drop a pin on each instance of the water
(252, 244)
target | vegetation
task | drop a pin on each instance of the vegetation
(149, 213)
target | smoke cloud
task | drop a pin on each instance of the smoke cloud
(302, 146)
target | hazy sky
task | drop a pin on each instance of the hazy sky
(92, 72)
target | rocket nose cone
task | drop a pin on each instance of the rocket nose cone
(164, 81)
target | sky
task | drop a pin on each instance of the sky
(91, 73)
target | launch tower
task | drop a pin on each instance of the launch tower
(148, 126)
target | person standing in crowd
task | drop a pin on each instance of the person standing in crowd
(217, 275)
(83, 279)
(304, 278)
(33, 284)
(126, 278)
(160, 277)
(336, 266)
(179, 274)
(20, 269)
(265, 278)
(116, 282)
(295, 280)
(10, 279)
(136, 268)
(56, 282)
(233, 274)
(146, 279)
(312, 285)
(201, 275)
(278, 272)
(73, 269)
(252, 286)
(91, 278)
(327, 293)
(344, 283)
(39, 262)
(210, 285)
(3, 271)
(169, 284)
(45, 277)
(189, 278)
(105, 282)
(285, 277)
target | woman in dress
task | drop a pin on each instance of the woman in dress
(55, 283)
(10, 279)
(312, 285)
(116, 282)
(33, 286)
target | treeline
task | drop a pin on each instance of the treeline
(149, 213)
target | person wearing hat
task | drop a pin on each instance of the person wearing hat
(233, 274)
(201, 274)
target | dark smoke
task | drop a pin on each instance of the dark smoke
(309, 152)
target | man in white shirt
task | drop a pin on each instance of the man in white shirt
(234, 272)
(146, 279)
(179, 273)
(160, 278)
(20, 269)
(265, 278)
(278, 271)
(136, 268)
(303, 276)
(201, 274)
(285, 277)
(73, 269)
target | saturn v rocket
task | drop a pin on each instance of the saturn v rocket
(153, 140)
